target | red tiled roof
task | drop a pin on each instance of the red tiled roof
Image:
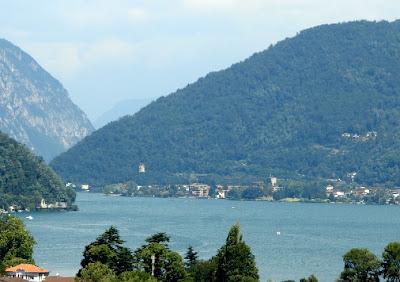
(27, 268)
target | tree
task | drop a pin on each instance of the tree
(235, 260)
(136, 276)
(108, 250)
(97, 272)
(191, 257)
(168, 265)
(99, 253)
(124, 260)
(312, 278)
(204, 271)
(16, 244)
(391, 262)
(160, 238)
(26, 179)
(252, 193)
(360, 265)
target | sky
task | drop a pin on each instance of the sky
(104, 52)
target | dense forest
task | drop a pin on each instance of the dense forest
(323, 104)
(25, 179)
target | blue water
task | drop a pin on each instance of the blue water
(313, 236)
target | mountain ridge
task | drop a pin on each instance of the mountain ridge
(25, 180)
(283, 111)
(35, 108)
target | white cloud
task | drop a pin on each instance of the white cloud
(66, 59)
(172, 42)
(108, 50)
(61, 59)
(137, 14)
(210, 5)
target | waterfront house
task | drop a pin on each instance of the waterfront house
(274, 181)
(338, 194)
(361, 191)
(329, 189)
(199, 190)
(85, 187)
(395, 193)
(28, 272)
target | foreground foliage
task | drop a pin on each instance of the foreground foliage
(168, 265)
(235, 262)
(360, 265)
(108, 260)
(154, 261)
(391, 262)
(108, 250)
(16, 244)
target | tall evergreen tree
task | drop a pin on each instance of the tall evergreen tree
(236, 263)
(108, 249)
(191, 257)
(160, 238)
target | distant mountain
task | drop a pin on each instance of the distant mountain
(123, 108)
(324, 104)
(34, 107)
(25, 179)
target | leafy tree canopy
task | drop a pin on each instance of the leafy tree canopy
(16, 244)
(155, 257)
(391, 262)
(108, 250)
(96, 272)
(360, 265)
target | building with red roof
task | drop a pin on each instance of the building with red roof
(28, 272)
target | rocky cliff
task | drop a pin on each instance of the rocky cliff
(34, 107)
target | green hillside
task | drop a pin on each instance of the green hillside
(25, 179)
(320, 105)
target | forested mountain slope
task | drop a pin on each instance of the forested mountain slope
(320, 105)
(34, 107)
(25, 179)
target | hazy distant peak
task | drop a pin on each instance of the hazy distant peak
(122, 108)
(34, 107)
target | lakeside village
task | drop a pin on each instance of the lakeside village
(274, 189)
(42, 206)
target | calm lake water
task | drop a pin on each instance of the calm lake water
(313, 236)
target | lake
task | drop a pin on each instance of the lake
(312, 240)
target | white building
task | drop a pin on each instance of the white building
(199, 190)
(338, 194)
(142, 168)
(28, 272)
(85, 187)
(329, 189)
(274, 181)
